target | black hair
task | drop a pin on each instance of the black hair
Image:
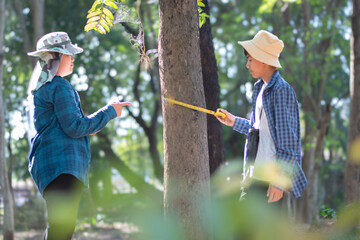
(246, 53)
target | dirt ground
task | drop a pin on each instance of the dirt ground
(103, 234)
(125, 231)
(116, 231)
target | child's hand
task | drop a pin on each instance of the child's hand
(229, 120)
(274, 194)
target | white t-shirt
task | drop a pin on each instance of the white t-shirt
(266, 150)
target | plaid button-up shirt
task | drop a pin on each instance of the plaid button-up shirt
(62, 143)
(282, 111)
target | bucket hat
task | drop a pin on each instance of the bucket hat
(55, 42)
(264, 47)
(48, 64)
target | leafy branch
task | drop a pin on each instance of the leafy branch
(202, 14)
(101, 18)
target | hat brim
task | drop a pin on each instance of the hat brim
(260, 55)
(70, 49)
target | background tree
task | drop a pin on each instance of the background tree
(316, 81)
(353, 159)
(212, 93)
(186, 179)
(6, 191)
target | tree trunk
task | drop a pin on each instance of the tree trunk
(186, 156)
(352, 164)
(317, 117)
(8, 229)
(28, 46)
(37, 8)
(306, 204)
(212, 94)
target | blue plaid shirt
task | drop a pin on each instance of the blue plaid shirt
(62, 142)
(282, 111)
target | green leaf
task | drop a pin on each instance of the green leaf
(267, 6)
(108, 13)
(93, 19)
(101, 29)
(111, 3)
(202, 18)
(94, 14)
(90, 26)
(104, 24)
(108, 20)
(205, 15)
(202, 21)
(95, 5)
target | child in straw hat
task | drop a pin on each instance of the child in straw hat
(276, 166)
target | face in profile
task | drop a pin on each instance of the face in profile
(255, 67)
(66, 65)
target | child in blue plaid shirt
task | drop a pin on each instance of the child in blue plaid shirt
(275, 113)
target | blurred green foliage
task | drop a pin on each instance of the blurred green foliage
(110, 66)
(327, 212)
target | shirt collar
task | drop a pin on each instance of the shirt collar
(273, 79)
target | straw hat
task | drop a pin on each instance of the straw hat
(264, 47)
(55, 42)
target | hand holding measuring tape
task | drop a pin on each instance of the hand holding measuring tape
(218, 113)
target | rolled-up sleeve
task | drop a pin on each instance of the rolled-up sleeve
(241, 125)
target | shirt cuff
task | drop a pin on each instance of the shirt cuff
(237, 124)
(111, 110)
(278, 187)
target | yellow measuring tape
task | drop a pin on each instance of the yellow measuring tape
(216, 114)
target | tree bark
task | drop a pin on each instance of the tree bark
(8, 229)
(352, 164)
(186, 156)
(306, 204)
(37, 8)
(212, 94)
